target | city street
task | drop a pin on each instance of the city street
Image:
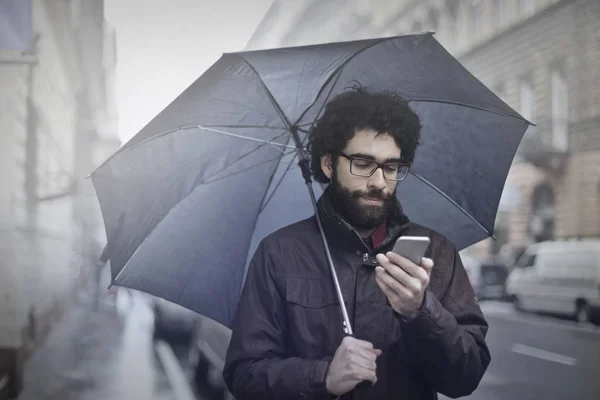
(537, 357)
(110, 354)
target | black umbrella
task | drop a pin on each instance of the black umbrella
(223, 164)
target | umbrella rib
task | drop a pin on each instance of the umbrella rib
(336, 73)
(454, 203)
(287, 169)
(114, 281)
(299, 78)
(185, 128)
(211, 180)
(456, 103)
(274, 102)
(243, 156)
(245, 126)
(270, 142)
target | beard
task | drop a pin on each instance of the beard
(361, 216)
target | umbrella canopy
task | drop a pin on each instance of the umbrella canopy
(188, 199)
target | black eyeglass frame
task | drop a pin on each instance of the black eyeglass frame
(378, 165)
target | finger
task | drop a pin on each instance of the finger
(407, 266)
(364, 374)
(394, 294)
(403, 287)
(363, 355)
(377, 352)
(353, 342)
(387, 280)
(427, 265)
(363, 363)
(399, 273)
(389, 293)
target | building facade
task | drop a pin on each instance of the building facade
(57, 121)
(540, 56)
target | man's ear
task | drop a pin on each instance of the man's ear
(327, 165)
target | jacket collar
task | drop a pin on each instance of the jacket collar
(340, 232)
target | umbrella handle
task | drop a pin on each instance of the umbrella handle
(363, 384)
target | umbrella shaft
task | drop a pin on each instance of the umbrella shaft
(347, 325)
(304, 165)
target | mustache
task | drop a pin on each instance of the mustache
(374, 194)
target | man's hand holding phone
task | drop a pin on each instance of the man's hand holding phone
(403, 282)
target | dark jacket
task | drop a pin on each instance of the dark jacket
(289, 324)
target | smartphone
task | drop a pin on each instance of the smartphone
(412, 247)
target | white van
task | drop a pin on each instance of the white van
(558, 277)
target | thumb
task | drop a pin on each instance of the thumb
(377, 352)
(427, 264)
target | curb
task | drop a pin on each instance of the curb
(175, 375)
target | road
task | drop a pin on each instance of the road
(539, 357)
(111, 354)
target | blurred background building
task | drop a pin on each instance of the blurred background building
(540, 56)
(57, 123)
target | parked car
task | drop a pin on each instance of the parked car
(172, 321)
(488, 278)
(209, 349)
(559, 277)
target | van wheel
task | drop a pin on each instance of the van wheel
(201, 371)
(583, 313)
(517, 303)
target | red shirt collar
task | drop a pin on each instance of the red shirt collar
(378, 236)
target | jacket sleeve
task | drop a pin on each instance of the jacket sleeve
(257, 365)
(447, 337)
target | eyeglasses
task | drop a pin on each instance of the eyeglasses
(392, 171)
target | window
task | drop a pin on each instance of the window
(452, 7)
(75, 11)
(527, 7)
(476, 11)
(499, 15)
(598, 208)
(434, 19)
(527, 260)
(417, 27)
(500, 91)
(527, 101)
(560, 112)
(16, 31)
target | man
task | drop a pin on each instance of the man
(418, 329)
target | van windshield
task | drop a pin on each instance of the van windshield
(526, 260)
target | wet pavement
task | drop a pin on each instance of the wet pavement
(111, 354)
(538, 357)
(94, 355)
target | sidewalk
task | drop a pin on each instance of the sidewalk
(97, 355)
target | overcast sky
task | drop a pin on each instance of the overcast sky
(163, 46)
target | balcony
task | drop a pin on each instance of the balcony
(542, 149)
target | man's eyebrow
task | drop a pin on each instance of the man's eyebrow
(373, 158)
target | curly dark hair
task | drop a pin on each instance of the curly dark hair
(356, 109)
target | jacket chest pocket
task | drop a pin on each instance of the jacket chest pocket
(314, 317)
(309, 293)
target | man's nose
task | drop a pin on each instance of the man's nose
(377, 180)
